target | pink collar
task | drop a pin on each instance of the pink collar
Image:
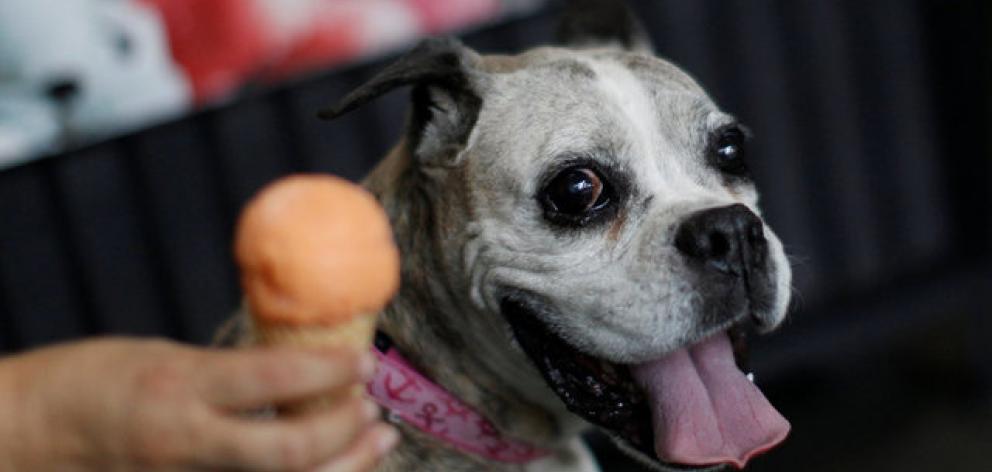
(407, 394)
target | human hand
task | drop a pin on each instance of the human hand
(123, 404)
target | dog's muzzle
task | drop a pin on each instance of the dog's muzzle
(690, 408)
(726, 249)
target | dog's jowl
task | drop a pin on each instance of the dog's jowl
(582, 247)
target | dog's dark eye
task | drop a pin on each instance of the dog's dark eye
(728, 150)
(576, 192)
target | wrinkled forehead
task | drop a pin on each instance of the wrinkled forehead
(614, 104)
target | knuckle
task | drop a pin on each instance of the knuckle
(156, 416)
(162, 380)
(289, 368)
(272, 373)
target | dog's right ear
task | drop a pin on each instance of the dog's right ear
(445, 97)
(596, 23)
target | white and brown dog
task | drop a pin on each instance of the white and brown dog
(581, 245)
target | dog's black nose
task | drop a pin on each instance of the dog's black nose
(62, 90)
(728, 239)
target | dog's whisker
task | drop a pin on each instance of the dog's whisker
(796, 259)
(797, 300)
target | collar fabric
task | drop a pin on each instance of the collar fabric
(409, 396)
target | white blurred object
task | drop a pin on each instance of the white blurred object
(72, 71)
(28, 126)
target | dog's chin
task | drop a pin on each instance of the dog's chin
(601, 392)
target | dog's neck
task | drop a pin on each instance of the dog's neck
(442, 334)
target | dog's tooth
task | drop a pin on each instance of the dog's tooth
(750, 376)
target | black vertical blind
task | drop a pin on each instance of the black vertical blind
(871, 122)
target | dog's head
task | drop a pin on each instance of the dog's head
(595, 203)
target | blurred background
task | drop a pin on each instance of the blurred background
(131, 132)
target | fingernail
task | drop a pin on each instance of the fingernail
(387, 439)
(370, 410)
(366, 366)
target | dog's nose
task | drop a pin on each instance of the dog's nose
(62, 90)
(728, 239)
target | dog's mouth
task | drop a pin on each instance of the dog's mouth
(691, 409)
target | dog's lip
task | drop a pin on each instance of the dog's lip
(602, 392)
(739, 333)
(737, 330)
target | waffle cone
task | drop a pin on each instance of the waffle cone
(355, 334)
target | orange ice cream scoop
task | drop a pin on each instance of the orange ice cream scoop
(315, 250)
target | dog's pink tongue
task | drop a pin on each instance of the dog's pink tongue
(704, 410)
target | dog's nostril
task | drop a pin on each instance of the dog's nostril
(719, 246)
(720, 255)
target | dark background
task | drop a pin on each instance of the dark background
(872, 156)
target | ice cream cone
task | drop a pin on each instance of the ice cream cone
(355, 334)
(318, 263)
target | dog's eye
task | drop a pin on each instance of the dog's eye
(729, 150)
(576, 192)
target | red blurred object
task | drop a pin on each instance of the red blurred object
(333, 34)
(219, 43)
(437, 16)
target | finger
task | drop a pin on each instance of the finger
(250, 378)
(365, 453)
(284, 444)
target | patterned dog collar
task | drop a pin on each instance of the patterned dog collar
(410, 397)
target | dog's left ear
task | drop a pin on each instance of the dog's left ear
(597, 23)
(445, 98)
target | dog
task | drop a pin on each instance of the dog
(581, 247)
